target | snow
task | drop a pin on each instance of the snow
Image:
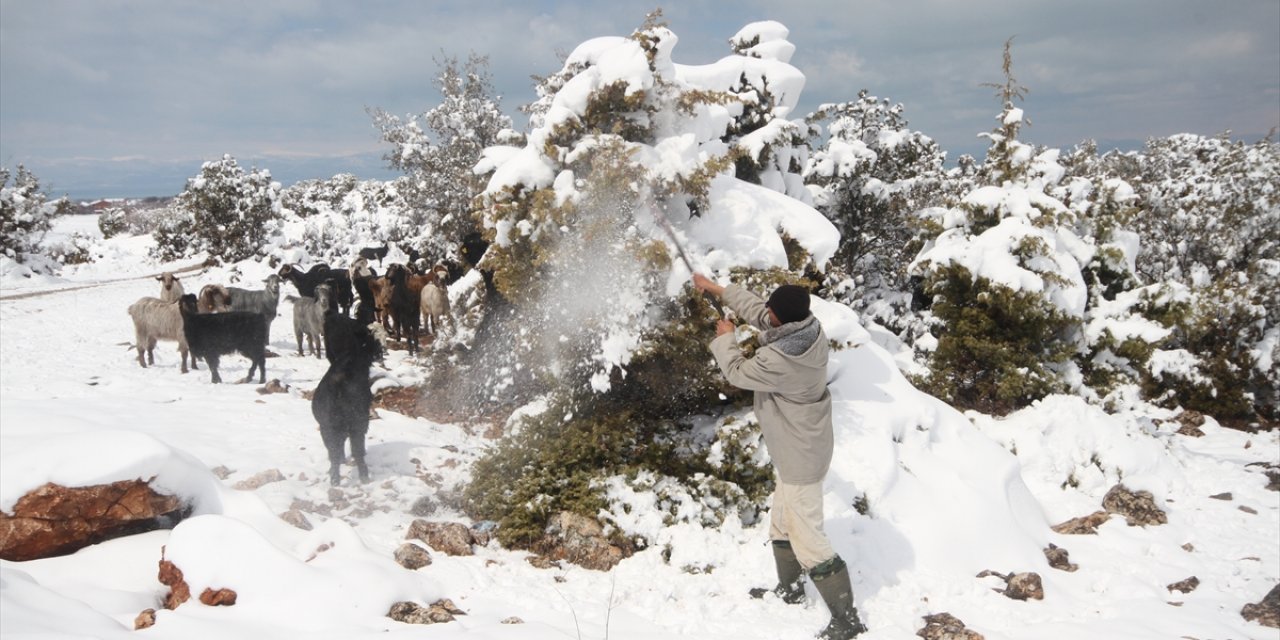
(949, 495)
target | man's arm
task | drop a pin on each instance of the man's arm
(747, 305)
(752, 374)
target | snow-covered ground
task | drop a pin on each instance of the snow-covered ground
(949, 495)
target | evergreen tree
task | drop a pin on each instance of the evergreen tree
(232, 213)
(26, 213)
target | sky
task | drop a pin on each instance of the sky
(118, 98)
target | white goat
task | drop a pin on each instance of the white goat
(154, 319)
(170, 287)
(434, 303)
(308, 318)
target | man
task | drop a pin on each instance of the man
(788, 374)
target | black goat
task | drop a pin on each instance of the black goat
(342, 399)
(404, 305)
(212, 335)
(374, 253)
(306, 282)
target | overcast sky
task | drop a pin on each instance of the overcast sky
(123, 97)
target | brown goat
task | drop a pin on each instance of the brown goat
(214, 298)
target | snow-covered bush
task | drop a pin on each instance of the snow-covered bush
(629, 151)
(331, 220)
(26, 213)
(232, 213)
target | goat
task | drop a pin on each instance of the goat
(360, 274)
(154, 319)
(213, 298)
(212, 335)
(370, 253)
(264, 302)
(306, 283)
(170, 287)
(404, 305)
(308, 318)
(434, 301)
(342, 398)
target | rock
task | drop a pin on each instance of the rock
(53, 520)
(1221, 496)
(413, 613)
(412, 557)
(1185, 586)
(1138, 507)
(222, 472)
(296, 518)
(1025, 586)
(171, 576)
(482, 532)
(1059, 558)
(944, 626)
(451, 538)
(1249, 510)
(1266, 611)
(512, 620)
(145, 620)
(1188, 547)
(579, 540)
(1190, 422)
(218, 597)
(1083, 525)
(259, 479)
(273, 386)
(542, 562)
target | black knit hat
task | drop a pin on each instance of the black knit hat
(790, 303)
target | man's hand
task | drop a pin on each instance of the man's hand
(704, 283)
(723, 327)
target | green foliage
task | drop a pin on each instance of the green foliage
(233, 212)
(26, 213)
(996, 345)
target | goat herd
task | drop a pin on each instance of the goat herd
(223, 320)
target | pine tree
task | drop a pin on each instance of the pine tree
(26, 213)
(232, 212)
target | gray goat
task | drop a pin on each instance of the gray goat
(154, 319)
(263, 302)
(308, 318)
(170, 287)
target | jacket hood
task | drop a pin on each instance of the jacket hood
(797, 340)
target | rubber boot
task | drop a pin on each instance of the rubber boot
(790, 576)
(832, 580)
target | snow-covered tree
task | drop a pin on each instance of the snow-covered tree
(230, 213)
(26, 213)
(438, 149)
(868, 177)
(631, 163)
(331, 220)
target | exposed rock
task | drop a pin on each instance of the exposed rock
(1221, 496)
(412, 557)
(1138, 507)
(145, 619)
(222, 472)
(218, 597)
(512, 620)
(482, 532)
(1265, 612)
(273, 386)
(414, 613)
(542, 562)
(1084, 524)
(1019, 586)
(1188, 547)
(1059, 558)
(53, 520)
(451, 538)
(579, 540)
(1190, 422)
(171, 576)
(259, 479)
(944, 626)
(295, 517)
(1249, 510)
(1185, 586)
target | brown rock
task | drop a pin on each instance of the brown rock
(412, 557)
(512, 620)
(1138, 507)
(53, 520)
(259, 479)
(1025, 586)
(451, 538)
(171, 576)
(295, 517)
(1221, 496)
(273, 386)
(145, 619)
(579, 540)
(1188, 547)
(1185, 586)
(1059, 558)
(218, 598)
(542, 562)
(1249, 510)
(1083, 525)
(1190, 422)
(222, 472)
(944, 626)
(413, 613)
(423, 507)
(1266, 611)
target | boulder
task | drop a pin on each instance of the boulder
(1138, 507)
(1266, 611)
(1083, 525)
(412, 557)
(259, 480)
(1185, 586)
(450, 538)
(579, 540)
(145, 619)
(414, 613)
(53, 520)
(1059, 558)
(1019, 586)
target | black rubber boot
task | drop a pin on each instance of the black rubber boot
(790, 576)
(832, 580)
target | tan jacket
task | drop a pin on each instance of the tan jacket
(789, 377)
